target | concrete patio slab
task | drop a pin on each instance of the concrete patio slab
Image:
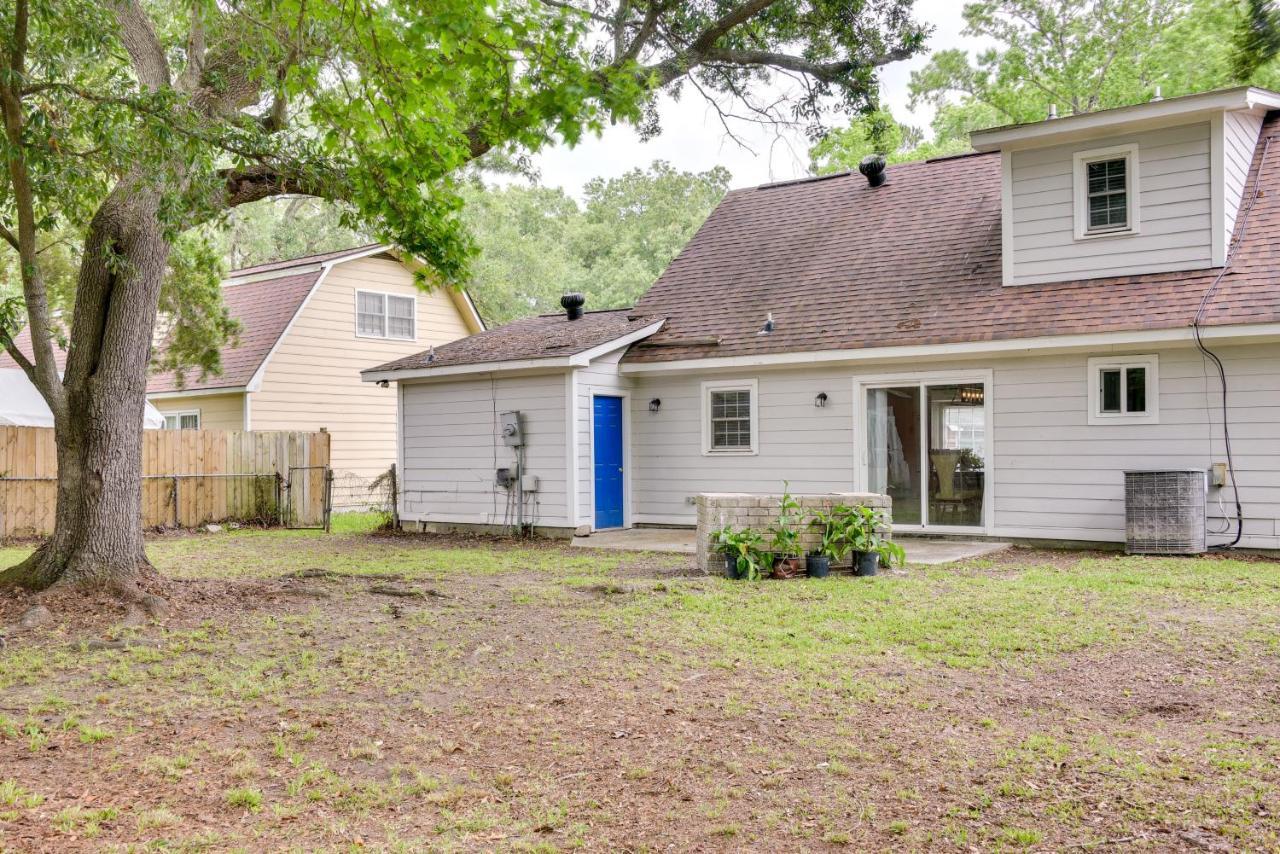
(920, 550)
(671, 540)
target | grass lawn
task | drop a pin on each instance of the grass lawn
(363, 691)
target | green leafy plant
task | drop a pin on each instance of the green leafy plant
(785, 533)
(839, 527)
(746, 546)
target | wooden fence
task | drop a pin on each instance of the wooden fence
(190, 477)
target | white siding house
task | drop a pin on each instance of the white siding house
(992, 340)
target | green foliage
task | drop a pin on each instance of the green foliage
(1090, 56)
(747, 547)
(1257, 38)
(785, 533)
(536, 243)
(283, 227)
(840, 527)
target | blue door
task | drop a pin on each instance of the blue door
(607, 451)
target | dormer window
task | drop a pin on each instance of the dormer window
(1106, 183)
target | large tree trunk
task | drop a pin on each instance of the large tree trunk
(97, 538)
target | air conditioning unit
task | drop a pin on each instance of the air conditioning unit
(1164, 511)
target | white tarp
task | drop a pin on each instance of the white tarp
(22, 406)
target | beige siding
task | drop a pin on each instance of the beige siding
(1174, 201)
(313, 379)
(452, 448)
(1240, 132)
(217, 411)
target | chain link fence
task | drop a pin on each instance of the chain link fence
(354, 493)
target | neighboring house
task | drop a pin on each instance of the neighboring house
(307, 326)
(991, 339)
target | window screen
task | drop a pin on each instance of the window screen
(371, 314)
(400, 317)
(1108, 198)
(731, 420)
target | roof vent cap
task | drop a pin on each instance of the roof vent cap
(872, 166)
(572, 305)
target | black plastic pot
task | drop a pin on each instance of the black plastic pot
(818, 566)
(865, 563)
(731, 567)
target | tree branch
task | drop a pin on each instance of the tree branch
(44, 373)
(139, 39)
(825, 71)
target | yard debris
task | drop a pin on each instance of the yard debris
(212, 529)
(406, 592)
(35, 616)
(120, 643)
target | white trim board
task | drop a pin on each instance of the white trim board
(195, 392)
(1096, 342)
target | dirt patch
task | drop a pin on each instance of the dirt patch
(529, 705)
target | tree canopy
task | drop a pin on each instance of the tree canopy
(1076, 56)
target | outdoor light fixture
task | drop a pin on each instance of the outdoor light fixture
(655, 405)
(821, 400)
(972, 394)
(383, 383)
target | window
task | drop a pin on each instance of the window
(729, 417)
(385, 316)
(1106, 182)
(1124, 390)
(182, 420)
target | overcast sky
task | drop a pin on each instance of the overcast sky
(693, 139)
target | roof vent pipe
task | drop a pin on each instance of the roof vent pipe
(572, 304)
(1157, 96)
(1053, 111)
(872, 166)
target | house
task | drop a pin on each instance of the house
(991, 339)
(307, 325)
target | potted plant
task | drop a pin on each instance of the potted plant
(785, 538)
(866, 540)
(835, 543)
(741, 547)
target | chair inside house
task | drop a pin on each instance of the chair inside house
(954, 496)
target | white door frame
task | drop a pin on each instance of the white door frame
(923, 379)
(593, 393)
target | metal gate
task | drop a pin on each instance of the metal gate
(308, 497)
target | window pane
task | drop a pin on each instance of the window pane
(1108, 201)
(1110, 390)
(400, 317)
(191, 421)
(171, 422)
(731, 420)
(371, 314)
(1136, 390)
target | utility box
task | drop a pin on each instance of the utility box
(529, 483)
(509, 425)
(1164, 511)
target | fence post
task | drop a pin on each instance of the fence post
(328, 497)
(395, 498)
(177, 519)
(279, 503)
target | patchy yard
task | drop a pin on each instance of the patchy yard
(407, 693)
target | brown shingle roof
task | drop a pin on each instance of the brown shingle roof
(546, 336)
(264, 309)
(302, 261)
(917, 261)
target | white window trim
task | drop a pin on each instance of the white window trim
(386, 317)
(178, 415)
(752, 386)
(1101, 363)
(1081, 186)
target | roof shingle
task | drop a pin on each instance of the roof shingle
(545, 336)
(917, 261)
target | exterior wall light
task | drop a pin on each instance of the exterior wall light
(821, 400)
(655, 405)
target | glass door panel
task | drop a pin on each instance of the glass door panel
(893, 450)
(957, 432)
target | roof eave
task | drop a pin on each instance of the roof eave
(1120, 119)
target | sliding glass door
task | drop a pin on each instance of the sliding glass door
(926, 447)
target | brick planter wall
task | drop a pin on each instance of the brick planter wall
(759, 512)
